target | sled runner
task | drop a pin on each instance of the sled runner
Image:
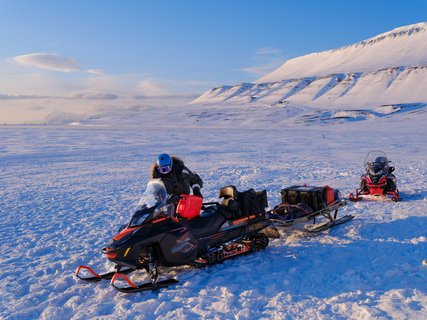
(379, 183)
(301, 204)
(194, 234)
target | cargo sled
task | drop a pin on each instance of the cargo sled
(302, 203)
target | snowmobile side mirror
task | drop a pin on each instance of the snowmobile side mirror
(391, 169)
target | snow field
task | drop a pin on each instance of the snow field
(64, 192)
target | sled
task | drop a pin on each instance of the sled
(330, 212)
(307, 203)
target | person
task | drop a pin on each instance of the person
(177, 178)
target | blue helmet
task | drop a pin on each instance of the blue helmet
(164, 163)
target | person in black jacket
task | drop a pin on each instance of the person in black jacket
(178, 179)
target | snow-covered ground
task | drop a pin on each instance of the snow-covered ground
(65, 190)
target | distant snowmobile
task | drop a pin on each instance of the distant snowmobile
(156, 236)
(378, 182)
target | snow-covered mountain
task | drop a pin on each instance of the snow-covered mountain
(390, 68)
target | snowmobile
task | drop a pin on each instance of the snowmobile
(378, 183)
(304, 203)
(160, 234)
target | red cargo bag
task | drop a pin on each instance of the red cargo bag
(189, 206)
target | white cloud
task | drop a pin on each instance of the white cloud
(262, 69)
(51, 62)
(20, 97)
(150, 88)
(29, 95)
(268, 51)
(94, 96)
(266, 60)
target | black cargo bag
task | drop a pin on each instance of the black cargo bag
(252, 202)
(315, 197)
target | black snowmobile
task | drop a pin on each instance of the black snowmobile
(302, 203)
(157, 237)
(378, 182)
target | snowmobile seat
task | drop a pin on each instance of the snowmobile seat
(204, 226)
(230, 204)
(228, 192)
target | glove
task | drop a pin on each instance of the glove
(196, 192)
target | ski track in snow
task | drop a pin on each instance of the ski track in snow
(65, 191)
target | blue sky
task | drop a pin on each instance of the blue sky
(166, 50)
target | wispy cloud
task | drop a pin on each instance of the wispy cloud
(268, 51)
(31, 95)
(266, 59)
(94, 96)
(150, 88)
(51, 62)
(262, 69)
(36, 108)
(185, 96)
(162, 91)
(71, 96)
(20, 97)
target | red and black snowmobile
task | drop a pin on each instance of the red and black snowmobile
(302, 203)
(157, 237)
(378, 183)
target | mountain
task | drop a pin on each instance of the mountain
(390, 68)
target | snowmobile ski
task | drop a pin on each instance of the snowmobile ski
(329, 224)
(365, 196)
(142, 287)
(98, 277)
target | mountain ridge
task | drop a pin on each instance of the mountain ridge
(389, 68)
(403, 46)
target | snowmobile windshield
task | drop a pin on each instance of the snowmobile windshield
(376, 163)
(154, 195)
(153, 204)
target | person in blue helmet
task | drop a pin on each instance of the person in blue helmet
(178, 179)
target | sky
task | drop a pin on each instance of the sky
(68, 59)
